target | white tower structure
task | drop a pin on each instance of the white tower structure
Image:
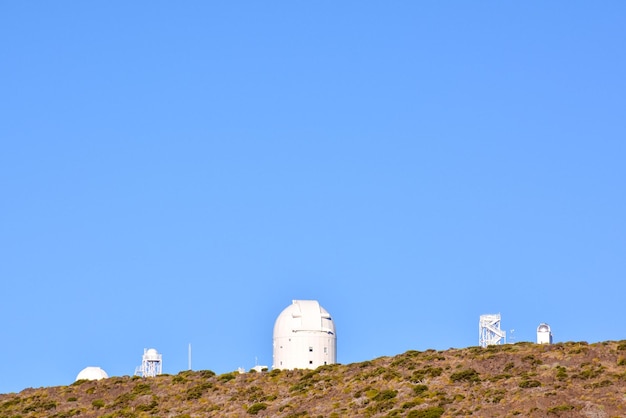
(304, 337)
(92, 373)
(544, 334)
(489, 330)
(151, 364)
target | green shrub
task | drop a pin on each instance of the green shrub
(67, 414)
(376, 372)
(419, 390)
(98, 403)
(310, 375)
(588, 371)
(10, 403)
(391, 374)
(467, 375)
(525, 384)
(301, 387)
(560, 408)
(142, 389)
(602, 384)
(433, 412)
(40, 405)
(365, 364)
(178, 379)
(385, 395)
(147, 407)
(195, 392)
(379, 407)
(226, 377)
(429, 371)
(123, 400)
(580, 348)
(532, 360)
(497, 398)
(256, 408)
(410, 404)
(254, 394)
(206, 373)
(370, 392)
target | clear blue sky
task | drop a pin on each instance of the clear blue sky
(178, 172)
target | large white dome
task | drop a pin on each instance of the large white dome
(303, 315)
(304, 337)
(92, 373)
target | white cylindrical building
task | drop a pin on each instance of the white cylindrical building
(92, 373)
(304, 337)
(544, 334)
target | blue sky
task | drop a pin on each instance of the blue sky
(176, 173)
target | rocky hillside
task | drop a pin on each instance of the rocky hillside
(572, 379)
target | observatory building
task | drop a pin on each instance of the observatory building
(151, 364)
(92, 373)
(544, 334)
(489, 332)
(304, 337)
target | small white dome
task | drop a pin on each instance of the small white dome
(543, 328)
(92, 373)
(151, 354)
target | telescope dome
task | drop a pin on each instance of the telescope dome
(92, 373)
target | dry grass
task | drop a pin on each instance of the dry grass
(515, 380)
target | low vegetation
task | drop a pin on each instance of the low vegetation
(573, 379)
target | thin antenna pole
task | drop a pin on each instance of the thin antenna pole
(189, 356)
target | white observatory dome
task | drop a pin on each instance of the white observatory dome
(92, 373)
(544, 334)
(151, 363)
(304, 337)
(152, 354)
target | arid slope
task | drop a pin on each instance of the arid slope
(573, 379)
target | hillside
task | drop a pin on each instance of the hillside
(573, 379)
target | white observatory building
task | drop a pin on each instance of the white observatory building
(544, 334)
(92, 373)
(151, 364)
(304, 337)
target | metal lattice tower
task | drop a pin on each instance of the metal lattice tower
(489, 330)
(151, 364)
